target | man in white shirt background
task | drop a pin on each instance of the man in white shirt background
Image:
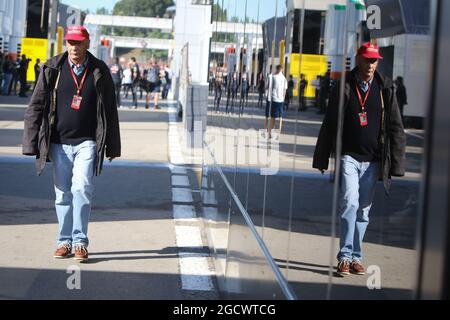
(275, 99)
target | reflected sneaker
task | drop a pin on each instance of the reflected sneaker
(63, 251)
(81, 253)
(357, 267)
(343, 267)
(157, 107)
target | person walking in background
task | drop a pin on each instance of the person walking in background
(168, 84)
(261, 90)
(117, 76)
(15, 76)
(275, 100)
(74, 130)
(135, 77)
(402, 98)
(324, 93)
(8, 68)
(289, 92)
(316, 84)
(218, 87)
(373, 148)
(234, 87)
(37, 71)
(23, 69)
(302, 89)
(244, 85)
(154, 84)
(127, 81)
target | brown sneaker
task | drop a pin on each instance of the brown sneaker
(343, 267)
(63, 251)
(357, 267)
(157, 107)
(81, 253)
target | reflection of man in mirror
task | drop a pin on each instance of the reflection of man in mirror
(373, 148)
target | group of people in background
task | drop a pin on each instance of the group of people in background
(154, 78)
(13, 71)
(235, 84)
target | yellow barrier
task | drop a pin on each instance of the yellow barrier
(313, 65)
(34, 48)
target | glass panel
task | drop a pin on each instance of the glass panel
(310, 193)
(239, 58)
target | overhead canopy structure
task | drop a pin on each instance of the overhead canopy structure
(167, 24)
(129, 21)
(157, 44)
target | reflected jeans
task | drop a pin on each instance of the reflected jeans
(73, 173)
(357, 190)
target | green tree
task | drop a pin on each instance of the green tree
(219, 14)
(142, 8)
(102, 10)
(103, 29)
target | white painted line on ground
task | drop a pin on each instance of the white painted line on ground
(210, 198)
(211, 214)
(194, 268)
(195, 273)
(184, 213)
(182, 181)
(13, 106)
(179, 170)
(188, 236)
(182, 195)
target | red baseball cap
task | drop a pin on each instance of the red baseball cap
(77, 33)
(369, 50)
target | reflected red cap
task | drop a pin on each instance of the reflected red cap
(369, 50)
(77, 33)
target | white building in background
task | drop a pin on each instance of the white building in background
(192, 25)
(13, 15)
(335, 31)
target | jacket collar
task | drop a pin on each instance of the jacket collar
(383, 81)
(57, 61)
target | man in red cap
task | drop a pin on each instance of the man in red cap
(373, 148)
(72, 121)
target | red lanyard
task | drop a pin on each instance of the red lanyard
(79, 86)
(361, 102)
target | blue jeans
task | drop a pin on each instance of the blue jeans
(357, 190)
(7, 77)
(73, 173)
